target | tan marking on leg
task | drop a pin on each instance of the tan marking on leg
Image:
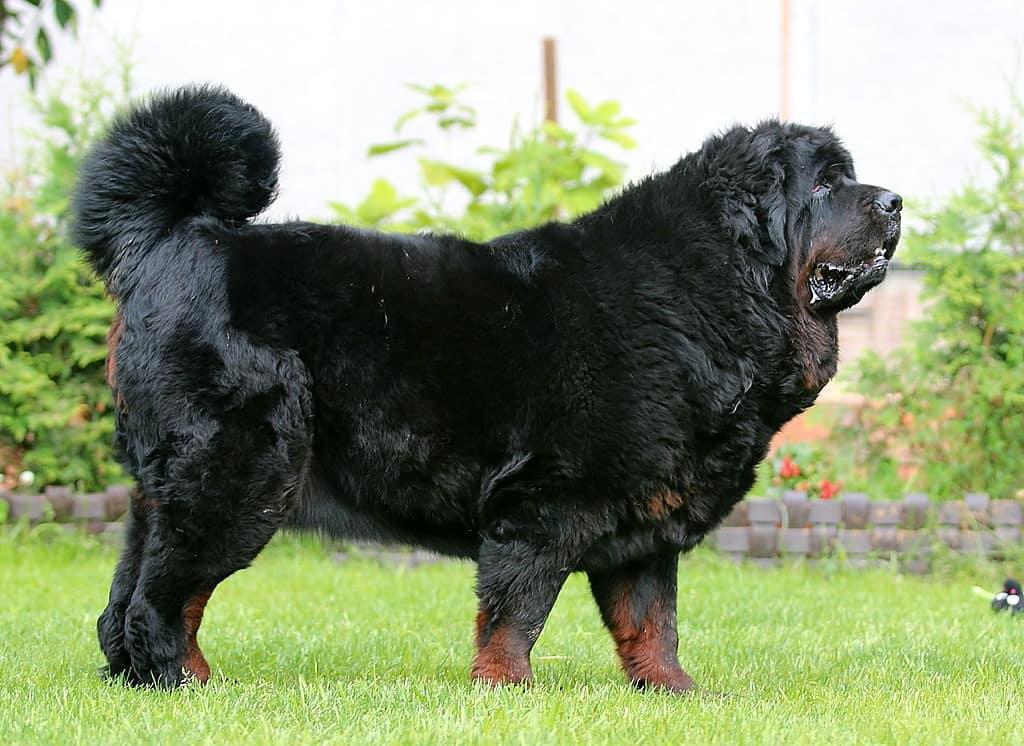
(648, 651)
(503, 657)
(192, 616)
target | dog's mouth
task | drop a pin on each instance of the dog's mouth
(832, 285)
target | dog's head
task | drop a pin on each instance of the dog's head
(848, 234)
(810, 215)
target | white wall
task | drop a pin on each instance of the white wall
(893, 77)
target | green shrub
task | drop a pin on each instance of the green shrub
(55, 407)
(949, 407)
(546, 172)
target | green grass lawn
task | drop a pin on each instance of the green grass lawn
(306, 650)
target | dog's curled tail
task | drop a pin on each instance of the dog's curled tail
(197, 150)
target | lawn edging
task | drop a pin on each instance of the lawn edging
(767, 531)
(869, 531)
(95, 512)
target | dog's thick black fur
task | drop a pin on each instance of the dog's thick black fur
(589, 396)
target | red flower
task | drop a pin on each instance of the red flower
(829, 489)
(789, 468)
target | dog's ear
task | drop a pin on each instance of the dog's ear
(773, 211)
(748, 174)
(755, 214)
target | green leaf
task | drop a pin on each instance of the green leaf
(473, 181)
(557, 132)
(612, 170)
(407, 117)
(64, 12)
(579, 106)
(605, 111)
(452, 121)
(435, 173)
(582, 200)
(380, 205)
(619, 138)
(59, 116)
(43, 45)
(390, 147)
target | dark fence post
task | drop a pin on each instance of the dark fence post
(825, 517)
(764, 517)
(951, 517)
(977, 536)
(27, 507)
(798, 509)
(916, 510)
(855, 510)
(60, 500)
(116, 501)
(884, 517)
(733, 541)
(977, 505)
(1007, 517)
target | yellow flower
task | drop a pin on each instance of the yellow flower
(19, 60)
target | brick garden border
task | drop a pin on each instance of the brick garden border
(862, 530)
(96, 512)
(870, 531)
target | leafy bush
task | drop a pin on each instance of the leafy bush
(547, 172)
(55, 408)
(947, 411)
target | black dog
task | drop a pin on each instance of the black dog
(590, 396)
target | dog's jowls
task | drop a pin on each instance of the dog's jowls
(590, 396)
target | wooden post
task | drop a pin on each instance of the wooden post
(784, 62)
(550, 80)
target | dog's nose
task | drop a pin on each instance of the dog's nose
(889, 202)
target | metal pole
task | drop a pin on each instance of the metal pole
(784, 62)
(550, 80)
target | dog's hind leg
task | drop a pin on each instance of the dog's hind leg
(184, 557)
(110, 625)
(517, 585)
(224, 492)
(638, 605)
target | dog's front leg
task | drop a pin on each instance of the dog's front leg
(517, 584)
(638, 605)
